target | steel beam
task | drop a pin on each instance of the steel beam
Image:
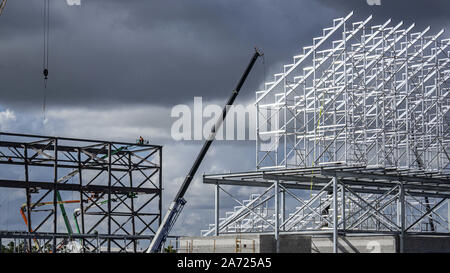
(90, 160)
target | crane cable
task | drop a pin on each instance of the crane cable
(46, 22)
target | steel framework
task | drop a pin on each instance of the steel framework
(377, 95)
(352, 137)
(117, 186)
(334, 201)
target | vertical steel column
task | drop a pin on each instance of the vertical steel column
(55, 200)
(285, 106)
(345, 95)
(344, 226)
(399, 208)
(448, 212)
(316, 111)
(335, 216)
(422, 134)
(364, 116)
(283, 206)
(407, 120)
(133, 223)
(257, 132)
(383, 100)
(98, 242)
(109, 196)
(402, 217)
(277, 216)
(305, 123)
(80, 181)
(27, 179)
(216, 209)
(160, 186)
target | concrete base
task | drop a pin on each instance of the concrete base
(427, 244)
(355, 244)
(245, 243)
(297, 243)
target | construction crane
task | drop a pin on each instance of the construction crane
(2, 6)
(178, 203)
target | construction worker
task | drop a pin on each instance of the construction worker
(94, 195)
(141, 140)
(10, 160)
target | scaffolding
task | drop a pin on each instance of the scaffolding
(117, 187)
(332, 201)
(377, 95)
(353, 137)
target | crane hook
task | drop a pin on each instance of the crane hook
(45, 73)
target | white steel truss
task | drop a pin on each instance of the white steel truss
(352, 137)
(360, 94)
(356, 212)
(332, 200)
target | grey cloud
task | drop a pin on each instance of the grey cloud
(422, 12)
(109, 52)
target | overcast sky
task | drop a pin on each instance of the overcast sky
(116, 68)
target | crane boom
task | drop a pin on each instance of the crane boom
(178, 203)
(2, 6)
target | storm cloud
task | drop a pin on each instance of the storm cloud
(108, 52)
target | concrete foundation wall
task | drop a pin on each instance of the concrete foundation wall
(355, 244)
(427, 244)
(220, 244)
(296, 243)
(258, 243)
(287, 244)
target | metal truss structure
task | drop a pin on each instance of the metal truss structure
(377, 95)
(352, 137)
(335, 201)
(117, 187)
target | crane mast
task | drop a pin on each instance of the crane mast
(178, 203)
